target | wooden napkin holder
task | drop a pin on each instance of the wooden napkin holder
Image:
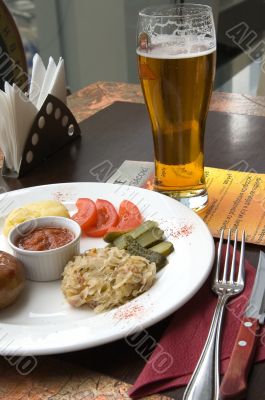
(54, 127)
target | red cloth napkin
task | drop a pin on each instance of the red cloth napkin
(176, 356)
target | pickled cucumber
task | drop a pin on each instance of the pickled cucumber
(121, 243)
(151, 237)
(111, 236)
(164, 248)
(135, 249)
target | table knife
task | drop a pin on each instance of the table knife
(234, 383)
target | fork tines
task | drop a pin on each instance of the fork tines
(241, 271)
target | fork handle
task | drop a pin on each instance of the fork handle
(234, 383)
(204, 383)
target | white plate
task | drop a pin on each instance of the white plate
(42, 322)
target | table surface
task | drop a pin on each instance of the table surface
(115, 360)
(99, 95)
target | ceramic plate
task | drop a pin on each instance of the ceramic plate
(42, 322)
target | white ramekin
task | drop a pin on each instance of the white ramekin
(47, 265)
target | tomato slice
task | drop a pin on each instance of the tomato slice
(107, 218)
(86, 215)
(129, 215)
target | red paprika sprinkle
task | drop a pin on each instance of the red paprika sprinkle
(178, 232)
(184, 231)
(129, 312)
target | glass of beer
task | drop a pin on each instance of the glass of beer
(176, 48)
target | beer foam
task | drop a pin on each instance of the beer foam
(168, 47)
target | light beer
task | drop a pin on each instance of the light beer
(177, 89)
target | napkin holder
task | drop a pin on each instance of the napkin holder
(54, 127)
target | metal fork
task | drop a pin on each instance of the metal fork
(204, 383)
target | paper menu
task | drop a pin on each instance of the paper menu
(236, 199)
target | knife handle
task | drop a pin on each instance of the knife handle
(234, 383)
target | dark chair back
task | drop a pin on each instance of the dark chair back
(13, 65)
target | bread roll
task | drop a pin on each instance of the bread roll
(12, 279)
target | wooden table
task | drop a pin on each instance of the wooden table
(97, 96)
(54, 378)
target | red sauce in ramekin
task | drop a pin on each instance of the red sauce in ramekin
(46, 238)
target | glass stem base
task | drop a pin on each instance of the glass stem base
(197, 200)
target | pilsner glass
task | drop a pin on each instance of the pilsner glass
(176, 51)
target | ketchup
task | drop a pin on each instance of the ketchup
(46, 238)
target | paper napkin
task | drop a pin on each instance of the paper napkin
(37, 78)
(18, 110)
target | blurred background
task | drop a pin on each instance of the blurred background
(97, 39)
